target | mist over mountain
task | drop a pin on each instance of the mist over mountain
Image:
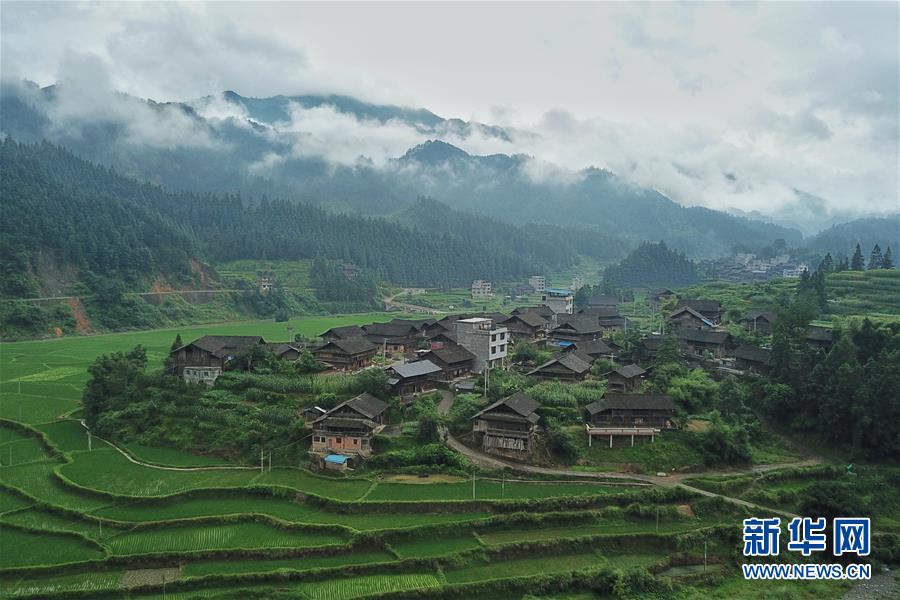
(348, 155)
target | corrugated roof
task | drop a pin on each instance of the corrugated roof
(415, 369)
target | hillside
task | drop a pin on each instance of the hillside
(840, 240)
(260, 146)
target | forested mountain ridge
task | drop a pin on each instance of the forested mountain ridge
(96, 221)
(262, 146)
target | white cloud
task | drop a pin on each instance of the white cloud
(671, 96)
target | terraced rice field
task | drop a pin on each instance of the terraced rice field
(211, 512)
(22, 548)
(218, 536)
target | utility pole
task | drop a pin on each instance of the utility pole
(101, 529)
(704, 556)
(473, 485)
(657, 519)
(270, 460)
(262, 463)
(90, 446)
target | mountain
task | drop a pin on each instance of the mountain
(277, 147)
(94, 225)
(840, 240)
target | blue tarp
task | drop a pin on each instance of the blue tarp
(564, 344)
(337, 459)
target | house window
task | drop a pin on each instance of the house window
(494, 337)
(338, 440)
(503, 348)
(355, 442)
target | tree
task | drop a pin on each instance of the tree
(875, 258)
(857, 263)
(168, 363)
(827, 264)
(887, 261)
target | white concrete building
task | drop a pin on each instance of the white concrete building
(559, 300)
(489, 344)
(538, 283)
(482, 289)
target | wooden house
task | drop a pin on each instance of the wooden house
(348, 354)
(602, 300)
(453, 360)
(311, 413)
(687, 318)
(393, 337)
(566, 365)
(626, 378)
(284, 350)
(204, 359)
(821, 337)
(413, 377)
(507, 427)
(634, 416)
(660, 295)
(753, 359)
(349, 427)
(574, 328)
(592, 348)
(697, 342)
(542, 311)
(759, 321)
(710, 309)
(342, 333)
(525, 326)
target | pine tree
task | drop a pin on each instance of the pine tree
(887, 261)
(827, 264)
(875, 259)
(857, 263)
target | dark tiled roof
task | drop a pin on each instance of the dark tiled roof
(389, 330)
(819, 334)
(705, 336)
(451, 354)
(592, 347)
(354, 345)
(658, 292)
(415, 368)
(520, 403)
(578, 324)
(542, 310)
(631, 402)
(600, 312)
(755, 354)
(222, 346)
(603, 300)
(529, 318)
(419, 324)
(760, 314)
(569, 360)
(629, 371)
(346, 331)
(651, 342)
(365, 404)
(700, 304)
(279, 348)
(692, 312)
(442, 334)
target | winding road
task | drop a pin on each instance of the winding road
(485, 461)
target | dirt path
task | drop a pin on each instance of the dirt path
(390, 303)
(485, 461)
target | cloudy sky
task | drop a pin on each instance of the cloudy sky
(723, 105)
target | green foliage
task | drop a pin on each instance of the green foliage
(726, 442)
(352, 292)
(652, 265)
(435, 456)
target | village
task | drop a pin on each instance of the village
(456, 351)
